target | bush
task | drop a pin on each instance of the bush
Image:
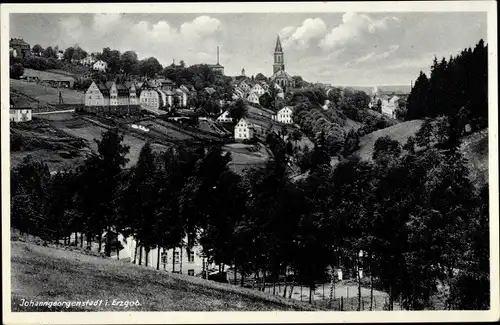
(16, 71)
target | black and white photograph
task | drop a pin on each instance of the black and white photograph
(339, 159)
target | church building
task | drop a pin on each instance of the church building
(280, 77)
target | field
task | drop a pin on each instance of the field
(48, 75)
(52, 274)
(45, 94)
(66, 126)
(400, 132)
(246, 156)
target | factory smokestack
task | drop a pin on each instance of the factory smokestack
(217, 55)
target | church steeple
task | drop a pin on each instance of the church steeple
(278, 45)
(279, 61)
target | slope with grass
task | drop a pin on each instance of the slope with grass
(52, 274)
(399, 132)
(46, 94)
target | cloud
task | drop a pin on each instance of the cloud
(354, 29)
(190, 41)
(106, 23)
(311, 28)
(71, 30)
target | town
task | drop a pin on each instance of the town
(323, 196)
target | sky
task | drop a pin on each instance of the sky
(352, 48)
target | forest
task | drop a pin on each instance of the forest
(413, 211)
(456, 87)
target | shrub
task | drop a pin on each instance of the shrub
(16, 71)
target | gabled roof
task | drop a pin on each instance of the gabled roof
(210, 90)
(280, 74)
(20, 103)
(103, 88)
(249, 124)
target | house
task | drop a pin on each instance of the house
(20, 111)
(244, 130)
(253, 98)
(225, 117)
(111, 97)
(184, 260)
(89, 60)
(100, 66)
(389, 106)
(21, 48)
(238, 93)
(209, 90)
(133, 99)
(52, 79)
(60, 55)
(12, 52)
(284, 115)
(244, 86)
(165, 84)
(258, 89)
(264, 86)
(181, 97)
(150, 97)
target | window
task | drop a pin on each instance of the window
(191, 257)
(164, 258)
(176, 257)
(191, 272)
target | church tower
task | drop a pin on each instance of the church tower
(279, 62)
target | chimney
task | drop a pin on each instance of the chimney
(217, 55)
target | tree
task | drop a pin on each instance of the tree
(379, 106)
(351, 143)
(68, 54)
(37, 49)
(423, 136)
(238, 110)
(260, 77)
(108, 165)
(16, 71)
(129, 62)
(50, 53)
(296, 136)
(79, 53)
(385, 147)
(150, 67)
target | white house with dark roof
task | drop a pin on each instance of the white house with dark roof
(253, 98)
(284, 115)
(244, 130)
(111, 97)
(20, 111)
(225, 117)
(100, 66)
(258, 89)
(389, 106)
(244, 86)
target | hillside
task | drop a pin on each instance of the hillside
(400, 132)
(53, 274)
(64, 140)
(57, 75)
(45, 94)
(475, 149)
